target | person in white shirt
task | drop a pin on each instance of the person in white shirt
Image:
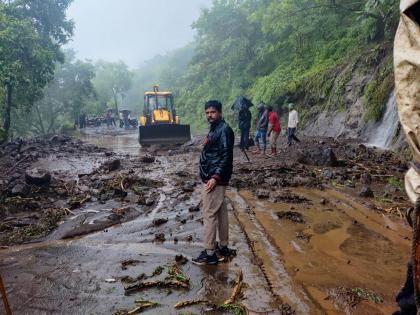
(292, 125)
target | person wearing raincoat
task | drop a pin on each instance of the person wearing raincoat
(407, 86)
(244, 124)
(241, 106)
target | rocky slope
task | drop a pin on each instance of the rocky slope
(354, 100)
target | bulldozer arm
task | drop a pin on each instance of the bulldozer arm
(164, 134)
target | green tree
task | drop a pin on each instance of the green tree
(112, 81)
(65, 96)
(31, 34)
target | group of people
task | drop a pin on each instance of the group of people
(216, 158)
(267, 125)
(216, 164)
(82, 119)
(126, 121)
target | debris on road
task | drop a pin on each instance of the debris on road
(141, 306)
(129, 262)
(293, 216)
(151, 284)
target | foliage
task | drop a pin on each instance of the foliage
(273, 51)
(64, 98)
(377, 91)
(395, 182)
(281, 51)
(367, 295)
(112, 81)
(236, 309)
(31, 34)
(66, 94)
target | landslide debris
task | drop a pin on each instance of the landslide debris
(319, 163)
(48, 180)
(293, 216)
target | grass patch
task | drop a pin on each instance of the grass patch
(367, 295)
(235, 309)
(377, 92)
(395, 182)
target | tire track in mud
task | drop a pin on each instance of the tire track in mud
(343, 255)
(269, 260)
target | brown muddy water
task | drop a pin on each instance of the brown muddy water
(326, 249)
(310, 255)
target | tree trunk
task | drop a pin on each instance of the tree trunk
(8, 105)
(41, 124)
(115, 101)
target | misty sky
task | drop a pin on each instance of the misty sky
(132, 30)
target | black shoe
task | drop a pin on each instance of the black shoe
(205, 259)
(225, 252)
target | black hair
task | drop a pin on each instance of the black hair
(215, 104)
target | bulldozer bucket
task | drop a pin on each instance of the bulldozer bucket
(164, 134)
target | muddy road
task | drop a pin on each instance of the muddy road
(97, 225)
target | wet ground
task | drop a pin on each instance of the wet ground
(315, 234)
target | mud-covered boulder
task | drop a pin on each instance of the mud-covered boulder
(272, 181)
(262, 194)
(301, 181)
(318, 157)
(366, 192)
(194, 208)
(147, 158)
(112, 165)
(37, 177)
(60, 139)
(20, 189)
(365, 179)
(328, 173)
(159, 221)
(160, 237)
(189, 186)
(293, 216)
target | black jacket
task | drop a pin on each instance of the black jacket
(217, 155)
(262, 121)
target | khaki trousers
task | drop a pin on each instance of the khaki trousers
(215, 217)
(273, 139)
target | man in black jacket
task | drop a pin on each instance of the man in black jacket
(216, 163)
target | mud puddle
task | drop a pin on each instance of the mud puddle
(123, 142)
(339, 249)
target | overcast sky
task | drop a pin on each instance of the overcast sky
(132, 30)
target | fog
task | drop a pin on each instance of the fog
(132, 30)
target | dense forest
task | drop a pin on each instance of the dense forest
(272, 51)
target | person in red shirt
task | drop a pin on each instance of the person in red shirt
(274, 129)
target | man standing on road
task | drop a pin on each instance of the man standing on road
(82, 120)
(274, 130)
(292, 125)
(244, 118)
(262, 125)
(216, 163)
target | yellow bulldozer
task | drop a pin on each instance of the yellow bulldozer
(159, 123)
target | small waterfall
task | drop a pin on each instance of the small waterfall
(384, 132)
